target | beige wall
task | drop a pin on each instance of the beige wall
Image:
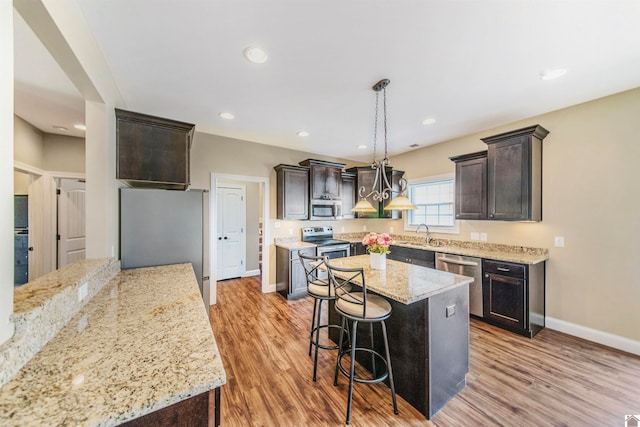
(591, 186)
(28, 143)
(64, 153)
(47, 151)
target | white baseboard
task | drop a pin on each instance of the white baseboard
(604, 338)
(250, 273)
(271, 288)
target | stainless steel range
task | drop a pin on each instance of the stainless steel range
(322, 237)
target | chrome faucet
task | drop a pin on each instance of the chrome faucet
(428, 236)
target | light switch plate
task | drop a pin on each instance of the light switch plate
(475, 235)
(276, 224)
(483, 237)
(558, 241)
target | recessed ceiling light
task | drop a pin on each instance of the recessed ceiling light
(227, 116)
(429, 121)
(60, 128)
(80, 126)
(552, 74)
(361, 147)
(303, 133)
(256, 55)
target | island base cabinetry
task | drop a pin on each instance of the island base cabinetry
(428, 345)
(513, 296)
(202, 410)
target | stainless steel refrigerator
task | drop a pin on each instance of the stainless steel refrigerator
(161, 227)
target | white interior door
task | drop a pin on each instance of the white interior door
(71, 221)
(231, 234)
(42, 226)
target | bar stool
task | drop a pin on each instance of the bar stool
(360, 307)
(320, 289)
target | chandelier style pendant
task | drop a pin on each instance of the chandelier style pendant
(381, 189)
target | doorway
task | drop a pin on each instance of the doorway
(256, 232)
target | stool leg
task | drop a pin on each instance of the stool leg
(340, 344)
(315, 358)
(386, 349)
(352, 370)
(313, 323)
(374, 371)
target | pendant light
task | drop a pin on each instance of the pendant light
(381, 189)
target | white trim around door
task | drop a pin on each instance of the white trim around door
(264, 183)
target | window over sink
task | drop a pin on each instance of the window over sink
(434, 197)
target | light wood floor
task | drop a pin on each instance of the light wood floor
(551, 380)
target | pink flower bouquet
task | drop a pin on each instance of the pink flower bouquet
(377, 243)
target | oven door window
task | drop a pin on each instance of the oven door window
(337, 253)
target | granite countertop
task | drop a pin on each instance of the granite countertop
(498, 252)
(292, 245)
(142, 343)
(403, 282)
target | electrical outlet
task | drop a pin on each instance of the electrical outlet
(483, 237)
(291, 232)
(390, 230)
(83, 291)
(475, 235)
(451, 310)
(364, 228)
(558, 241)
(276, 224)
(342, 229)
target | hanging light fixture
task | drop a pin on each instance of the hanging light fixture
(381, 190)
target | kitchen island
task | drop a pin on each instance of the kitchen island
(141, 352)
(428, 330)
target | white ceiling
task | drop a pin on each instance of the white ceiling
(472, 65)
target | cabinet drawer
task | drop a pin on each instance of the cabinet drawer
(505, 268)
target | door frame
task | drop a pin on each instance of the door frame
(243, 188)
(51, 250)
(213, 220)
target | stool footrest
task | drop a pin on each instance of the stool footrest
(323, 346)
(357, 379)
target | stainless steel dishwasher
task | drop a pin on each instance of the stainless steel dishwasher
(466, 266)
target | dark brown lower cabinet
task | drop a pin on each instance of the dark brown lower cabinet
(513, 296)
(200, 410)
(420, 257)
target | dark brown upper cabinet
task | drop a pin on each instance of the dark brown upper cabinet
(514, 174)
(365, 177)
(292, 192)
(348, 194)
(152, 151)
(471, 185)
(325, 179)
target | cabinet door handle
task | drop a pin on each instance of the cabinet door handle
(503, 269)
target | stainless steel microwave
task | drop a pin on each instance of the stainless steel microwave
(326, 209)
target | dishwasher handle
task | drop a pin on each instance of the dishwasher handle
(458, 262)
